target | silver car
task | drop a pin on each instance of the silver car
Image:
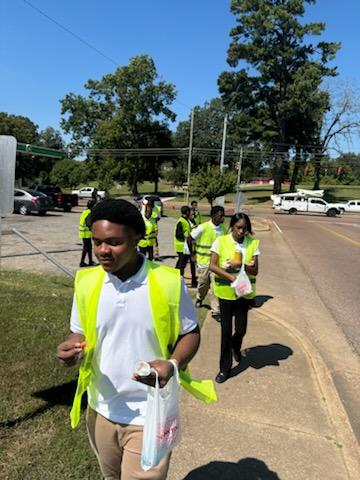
(27, 201)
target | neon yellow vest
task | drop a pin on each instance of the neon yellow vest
(179, 244)
(197, 218)
(204, 242)
(164, 292)
(84, 230)
(150, 233)
(221, 285)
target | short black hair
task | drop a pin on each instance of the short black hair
(193, 202)
(241, 216)
(216, 209)
(119, 211)
(185, 209)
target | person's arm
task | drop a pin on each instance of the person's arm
(70, 351)
(179, 234)
(253, 267)
(214, 267)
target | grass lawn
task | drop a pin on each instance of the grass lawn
(37, 442)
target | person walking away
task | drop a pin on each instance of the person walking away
(204, 235)
(156, 216)
(182, 232)
(195, 213)
(228, 254)
(146, 244)
(124, 310)
(85, 235)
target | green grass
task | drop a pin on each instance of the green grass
(36, 391)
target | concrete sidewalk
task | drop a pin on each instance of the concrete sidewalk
(278, 416)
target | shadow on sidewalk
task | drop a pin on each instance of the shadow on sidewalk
(245, 469)
(259, 300)
(262, 356)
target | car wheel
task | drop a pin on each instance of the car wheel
(342, 211)
(332, 212)
(23, 210)
(292, 211)
(42, 213)
(67, 208)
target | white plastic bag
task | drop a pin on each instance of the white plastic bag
(162, 422)
(242, 284)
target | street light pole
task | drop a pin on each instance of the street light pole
(222, 158)
(190, 155)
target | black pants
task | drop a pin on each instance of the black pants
(87, 250)
(239, 310)
(181, 263)
(148, 251)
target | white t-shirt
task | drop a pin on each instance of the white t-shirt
(125, 335)
(195, 234)
(239, 247)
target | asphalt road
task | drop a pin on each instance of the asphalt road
(328, 249)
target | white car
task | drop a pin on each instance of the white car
(87, 192)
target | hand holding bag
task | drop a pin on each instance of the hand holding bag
(162, 422)
(242, 284)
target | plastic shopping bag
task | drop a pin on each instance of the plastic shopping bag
(242, 284)
(162, 422)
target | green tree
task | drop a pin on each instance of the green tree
(25, 131)
(212, 183)
(269, 38)
(67, 173)
(126, 109)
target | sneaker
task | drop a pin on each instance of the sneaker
(221, 377)
(198, 303)
(83, 264)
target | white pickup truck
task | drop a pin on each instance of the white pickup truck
(87, 192)
(295, 202)
(352, 206)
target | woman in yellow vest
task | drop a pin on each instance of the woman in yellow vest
(229, 252)
(181, 234)
(85, 235)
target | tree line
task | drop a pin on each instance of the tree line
(280, 114)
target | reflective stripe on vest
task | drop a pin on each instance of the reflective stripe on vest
(84, 230)
(164, 292)
(205, 241)
(226, 250)
(179, 244)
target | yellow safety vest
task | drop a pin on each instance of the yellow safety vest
(205, 241)
(226, 245)
(164, 292)
(149, 239)
(197, 218)
(179, 244)
(84, 230)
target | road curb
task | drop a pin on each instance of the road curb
(260, 225)
(333, 404)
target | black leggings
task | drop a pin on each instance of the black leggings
(148, 251)
(228, 309)
(87, 249)
(181, 263)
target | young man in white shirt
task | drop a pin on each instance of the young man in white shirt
(124, 335)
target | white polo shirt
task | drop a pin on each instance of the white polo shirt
(125, 335)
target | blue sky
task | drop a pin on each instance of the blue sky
(40, 63)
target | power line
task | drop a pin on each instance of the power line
(75, 35)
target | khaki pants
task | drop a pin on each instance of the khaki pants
(204, 284)
(117, 447)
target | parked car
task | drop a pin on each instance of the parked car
(352, 206)
(64, 201)
(27, 201)
(139, 200)
(88, 192)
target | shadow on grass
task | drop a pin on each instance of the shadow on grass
(262, 356)
(245, 469)
(53, 397)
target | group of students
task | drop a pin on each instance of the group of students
(216, 255)
(129, 308)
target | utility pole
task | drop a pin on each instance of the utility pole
(221, 200)
(190, 155)
(238, 193)
(222, 159)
